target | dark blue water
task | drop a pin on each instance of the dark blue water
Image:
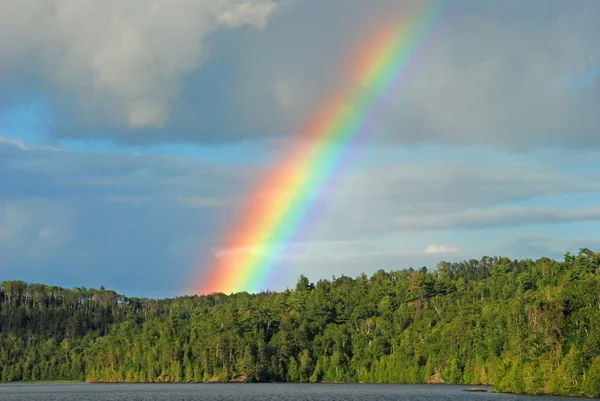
(240, 392)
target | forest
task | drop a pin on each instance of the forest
(524, 326)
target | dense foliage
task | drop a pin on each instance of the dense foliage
(524, 326)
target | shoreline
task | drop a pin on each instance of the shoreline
(469, 387)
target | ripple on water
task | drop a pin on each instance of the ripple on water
(243, 392)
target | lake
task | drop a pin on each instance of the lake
(240, 392)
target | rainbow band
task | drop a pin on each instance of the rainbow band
(281, 202)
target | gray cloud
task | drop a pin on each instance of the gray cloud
(510, 74)
(92, 219)
(392, 216)
(34, 171)
(537, 246)
(499, 217)
(37, 232)
(417, 197)
(492, 73)
(123, 62)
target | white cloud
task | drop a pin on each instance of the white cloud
(122, 60)
(437, 249)
(28, 146)
(255, 14)
(321, 259)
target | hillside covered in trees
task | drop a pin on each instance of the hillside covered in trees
(524, 326)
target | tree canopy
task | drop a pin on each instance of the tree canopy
(521, 325)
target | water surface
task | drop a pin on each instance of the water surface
(242, 392)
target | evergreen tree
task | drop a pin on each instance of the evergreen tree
(523, 326)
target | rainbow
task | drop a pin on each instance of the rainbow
(280, 204)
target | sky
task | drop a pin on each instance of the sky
(132, 133)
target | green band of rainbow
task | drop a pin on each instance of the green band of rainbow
(281, 202)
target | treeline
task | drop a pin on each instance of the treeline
(524, 326)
